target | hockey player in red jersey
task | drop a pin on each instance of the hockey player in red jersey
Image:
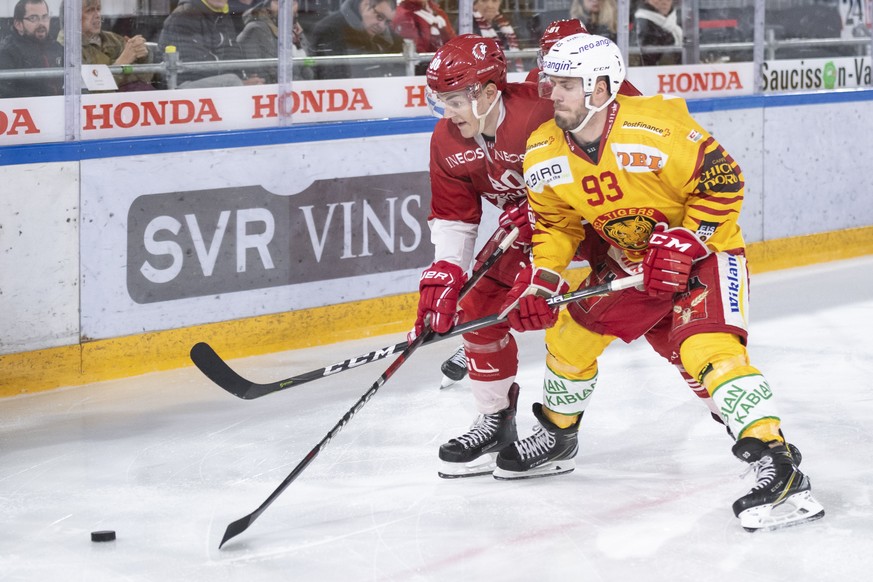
(455, 368)
(477, 149)
(665, 197)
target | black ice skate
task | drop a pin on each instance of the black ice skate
(473, 452)
(454, 369)
(781, 495)
(548, 451)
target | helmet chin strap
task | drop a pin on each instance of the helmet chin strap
(482, 117)
(591, 111)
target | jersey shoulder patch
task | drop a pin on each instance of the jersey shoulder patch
(549, 172)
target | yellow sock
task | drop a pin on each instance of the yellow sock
(560, 420)
(766, 429)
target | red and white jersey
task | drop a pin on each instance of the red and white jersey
(463, 172)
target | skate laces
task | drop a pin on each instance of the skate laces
(537, 444)
(459, 358)
(765, 471)
(482, 430)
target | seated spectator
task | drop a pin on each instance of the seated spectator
(237, 10)
(424, 22)
(260, 38)
(490, 23)
(599, 16)
(360, 27)
(102, 47)
(29, 46)
(201, 31)
(656, 25)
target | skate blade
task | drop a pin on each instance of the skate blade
(484, 465)
(446, 382)
(546, 470)
(799, 508)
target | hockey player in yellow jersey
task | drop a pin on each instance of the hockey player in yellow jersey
(663, 197)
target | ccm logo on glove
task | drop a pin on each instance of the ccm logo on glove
(668, 260)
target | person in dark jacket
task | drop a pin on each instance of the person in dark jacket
(360, 27)
(657, 24)
(104, 47)
(259, 38)
(202, 31)
(30, 47)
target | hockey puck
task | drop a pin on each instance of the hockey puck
(107, 535)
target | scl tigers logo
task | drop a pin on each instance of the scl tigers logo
(630, 232)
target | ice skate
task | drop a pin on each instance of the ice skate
(548, 451)
(781, 495)
(473, 453)
(454, 369)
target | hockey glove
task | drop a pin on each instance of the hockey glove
(439, 290)
(517, 215)
(525, 306)
(668, 260)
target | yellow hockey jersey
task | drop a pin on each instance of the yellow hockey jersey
(655, 164)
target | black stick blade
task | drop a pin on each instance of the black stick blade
(214, 368)
(236, 528)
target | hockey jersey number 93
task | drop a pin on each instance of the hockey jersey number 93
(655, 164)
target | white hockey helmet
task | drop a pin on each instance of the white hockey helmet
(587, 57)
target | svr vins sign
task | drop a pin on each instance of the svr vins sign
(206, 242)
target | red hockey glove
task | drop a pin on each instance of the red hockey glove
(517, 215)
(668, 260)
(525, 306)
(439, 289)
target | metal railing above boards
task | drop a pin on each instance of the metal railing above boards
(171, 67)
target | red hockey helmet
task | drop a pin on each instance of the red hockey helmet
(560, 29)
(467, 61)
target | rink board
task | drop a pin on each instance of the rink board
(256, 246)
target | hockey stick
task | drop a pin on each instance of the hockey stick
(217, 370)
(242, 524)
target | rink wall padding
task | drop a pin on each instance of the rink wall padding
(117, 255)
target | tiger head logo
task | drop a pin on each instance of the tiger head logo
(630, 232)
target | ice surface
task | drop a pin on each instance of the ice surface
(168, 460)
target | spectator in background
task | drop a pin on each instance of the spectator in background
(201, 30)
(424, 22)
(599, 16)
(260, 38)
(656, 24)
(102, 47)
(29, 46)
(360, 27)
(490, 23)
(237, 10)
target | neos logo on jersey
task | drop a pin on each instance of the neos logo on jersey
(551, 172)
(634, 157)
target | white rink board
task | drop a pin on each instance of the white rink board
(284, 170)
(818, 174)
(39, 256)
(801, 178)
